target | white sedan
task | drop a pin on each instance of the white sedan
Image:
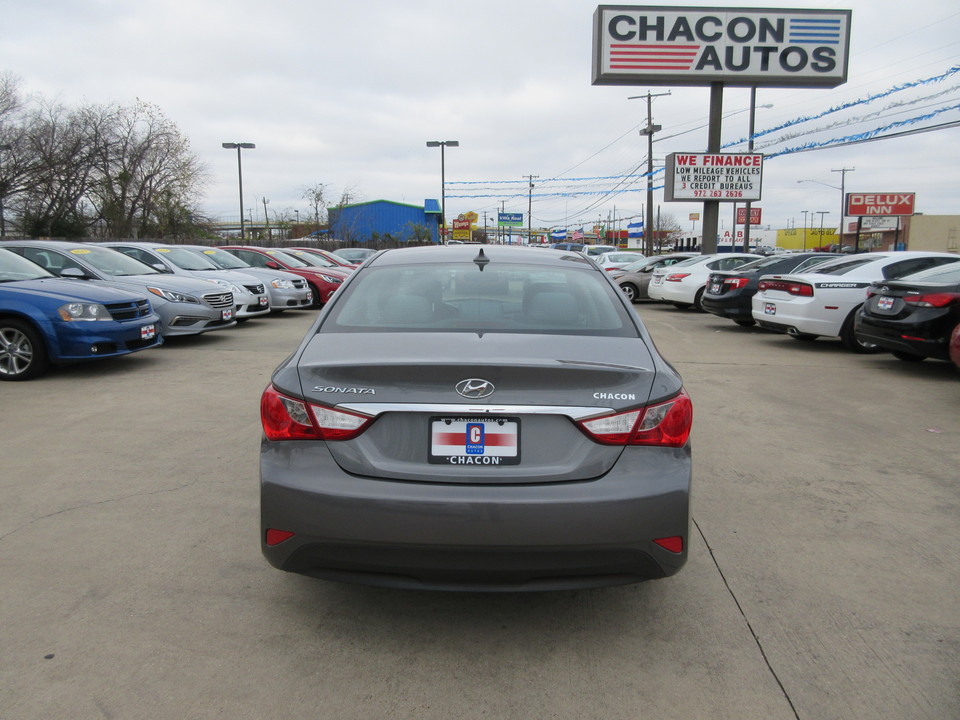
(615, 260)
(683, 283)
(825, 302)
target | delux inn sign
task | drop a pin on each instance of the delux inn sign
(736, 46)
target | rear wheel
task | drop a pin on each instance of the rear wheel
(697, 300)
(22, 352)
(631, 291)
(849, 339)
(907, 357)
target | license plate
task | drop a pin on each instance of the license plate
(885, 303)
(657, 280)
(475, 441)
(769, 309)
(148, 332)
(264, 301)
(715, 289)
(226, 314)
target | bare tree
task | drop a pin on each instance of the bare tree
(147, 173)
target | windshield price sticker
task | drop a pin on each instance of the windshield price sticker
(475, 441)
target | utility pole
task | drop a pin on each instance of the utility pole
(843, 202)
(503, 210)
(530, 179)
(649, 130)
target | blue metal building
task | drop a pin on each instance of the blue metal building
(380, 220)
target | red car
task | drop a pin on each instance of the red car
(324, 281)
(328, 259)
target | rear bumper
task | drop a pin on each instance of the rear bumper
(475, 537)
(730, 308)
(930, 341)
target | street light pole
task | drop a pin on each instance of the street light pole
(843, 200)
(821, 213)
(804, 228)
(443, 144)
(239, 147)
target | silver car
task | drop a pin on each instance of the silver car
(287, 291)
(476, 418)
(186, 305)
(249, 293)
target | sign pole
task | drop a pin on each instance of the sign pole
(753, 112)
(711, 209)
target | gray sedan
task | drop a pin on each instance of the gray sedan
(186, 306)
(287, 291)
(465, 418)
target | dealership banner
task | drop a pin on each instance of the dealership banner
(657, 45)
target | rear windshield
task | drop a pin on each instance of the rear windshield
(461, 298)
(949, 273)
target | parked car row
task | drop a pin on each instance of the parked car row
(903, 302)
(63, 302)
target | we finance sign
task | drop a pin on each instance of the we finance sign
(736, 46)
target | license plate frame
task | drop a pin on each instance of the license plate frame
(769, 308)
(462, 440)
(885, 303)
(148, 332)
(226, 314)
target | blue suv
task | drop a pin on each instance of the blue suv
(45, 320)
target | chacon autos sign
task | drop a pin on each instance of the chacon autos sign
(641, 45)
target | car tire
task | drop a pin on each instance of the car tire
(23, 354)
(849, 339)
(631, 291)
(317, 302)
(698, 300)
(746, 323)
(907, 357)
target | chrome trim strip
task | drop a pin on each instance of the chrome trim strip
(573, 412)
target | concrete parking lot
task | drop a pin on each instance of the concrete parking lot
(822, 581)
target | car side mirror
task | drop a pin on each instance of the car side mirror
(74, 273)
(160, 267)
(273, 265)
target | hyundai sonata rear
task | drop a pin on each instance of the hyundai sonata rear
(476, 420)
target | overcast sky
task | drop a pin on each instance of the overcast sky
(347, 93)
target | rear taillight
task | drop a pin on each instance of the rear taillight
(286, 418)
(676, 277)
(665, 424)
(792, 288)
(736, 283)
(941, 299)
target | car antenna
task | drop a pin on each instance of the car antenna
(481, 260)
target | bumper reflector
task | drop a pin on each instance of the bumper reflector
(275, 537)
(673, 544)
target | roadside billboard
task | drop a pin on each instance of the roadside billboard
(882, 204)
(658, 45)
(755, 214)
(719, 177)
